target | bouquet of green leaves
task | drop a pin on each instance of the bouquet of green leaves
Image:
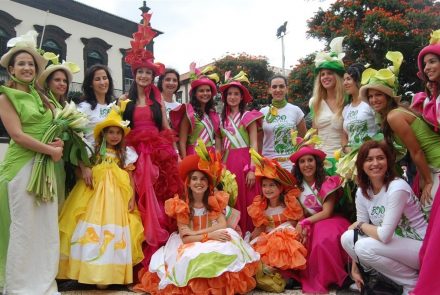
(69, 125)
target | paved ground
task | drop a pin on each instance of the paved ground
(73, 288)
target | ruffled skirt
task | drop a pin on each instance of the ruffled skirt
(100, 239)
(156, 179)
(281, 249)
(212, 267)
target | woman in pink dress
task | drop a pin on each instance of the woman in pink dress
(239, 133)
(156, 176)
(321, 230)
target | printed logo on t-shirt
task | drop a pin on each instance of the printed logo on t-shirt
(358, 130)
(377, 214)
(104, 112)
(282, 138)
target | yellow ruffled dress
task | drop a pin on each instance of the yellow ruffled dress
(100, 239)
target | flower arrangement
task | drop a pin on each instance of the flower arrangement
(69, 125)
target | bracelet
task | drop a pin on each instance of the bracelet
(204, 238)
(358, 227)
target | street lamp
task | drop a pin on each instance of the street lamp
(281, 32)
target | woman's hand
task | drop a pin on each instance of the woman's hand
(250, 178)
(87, 175)
(303, 233)
(356, 276)
(353, 225)
(57, 143)
(57, 153)
(426, 197)
(220, 235)
(186, 231)
(131, 205)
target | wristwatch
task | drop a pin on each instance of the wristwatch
(358, 227)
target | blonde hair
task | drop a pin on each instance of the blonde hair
(320, 93)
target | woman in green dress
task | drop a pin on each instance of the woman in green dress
(29, 242)
(55, 81)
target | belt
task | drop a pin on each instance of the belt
(282, 159)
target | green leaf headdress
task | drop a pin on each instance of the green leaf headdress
(331, 60)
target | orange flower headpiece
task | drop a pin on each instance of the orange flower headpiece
(268, 168)
(138, 56)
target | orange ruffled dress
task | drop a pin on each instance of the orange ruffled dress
(210, 267)
(278, 245)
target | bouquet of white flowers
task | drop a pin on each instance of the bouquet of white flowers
(69, 125)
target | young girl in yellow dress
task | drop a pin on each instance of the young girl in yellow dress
(100, 228)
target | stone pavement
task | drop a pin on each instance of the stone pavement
(73, 288)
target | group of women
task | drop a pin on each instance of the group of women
(161, 209)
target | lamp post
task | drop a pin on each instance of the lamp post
(281, 32)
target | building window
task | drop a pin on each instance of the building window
(54, 40)
(179, 95)
(93, 57)
(95, 51)
(127, 76)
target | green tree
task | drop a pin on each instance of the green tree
(301, 82)
(257, 70)
(373, 27)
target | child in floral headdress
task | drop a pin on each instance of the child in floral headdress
(321, 230)
(100, 228)
(204, 256)
(275, 214)
(239, 133)
(198, 118)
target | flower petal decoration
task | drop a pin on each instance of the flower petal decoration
(27, 40)
(396, 57)
(367, 74)
(387, 76)
(336, 45)
(435, 37)
(52, 57)
(72, 66)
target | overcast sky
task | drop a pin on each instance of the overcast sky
(205, 30)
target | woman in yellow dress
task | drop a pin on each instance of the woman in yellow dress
(100, 228)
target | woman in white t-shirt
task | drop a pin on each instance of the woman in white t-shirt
(359, 118)
(280, 118)
(97, 95)
(390, 220)
(168, 84)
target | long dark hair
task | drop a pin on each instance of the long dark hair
(155, 107)
(319, 173)
(205, 195)
(87, 87)
(120, 148)
(198, 107)
(241, 106)
(363, 180)
(162, 77)
(11, 83)
(63, 98)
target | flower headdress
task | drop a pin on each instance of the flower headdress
(384, 80)
(236, 81)
(69, 68)
(211, 163)
(206, 76)
(331, 60)
(28, 43)
(433, 47)
(269, 168)
(305, 146)
(138, 56)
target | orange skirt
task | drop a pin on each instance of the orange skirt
(281, 249)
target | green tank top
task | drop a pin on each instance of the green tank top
(427, 138)
(35, 120)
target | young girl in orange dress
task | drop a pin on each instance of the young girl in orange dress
(101, 231)
(275, 214)
(204, 256)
